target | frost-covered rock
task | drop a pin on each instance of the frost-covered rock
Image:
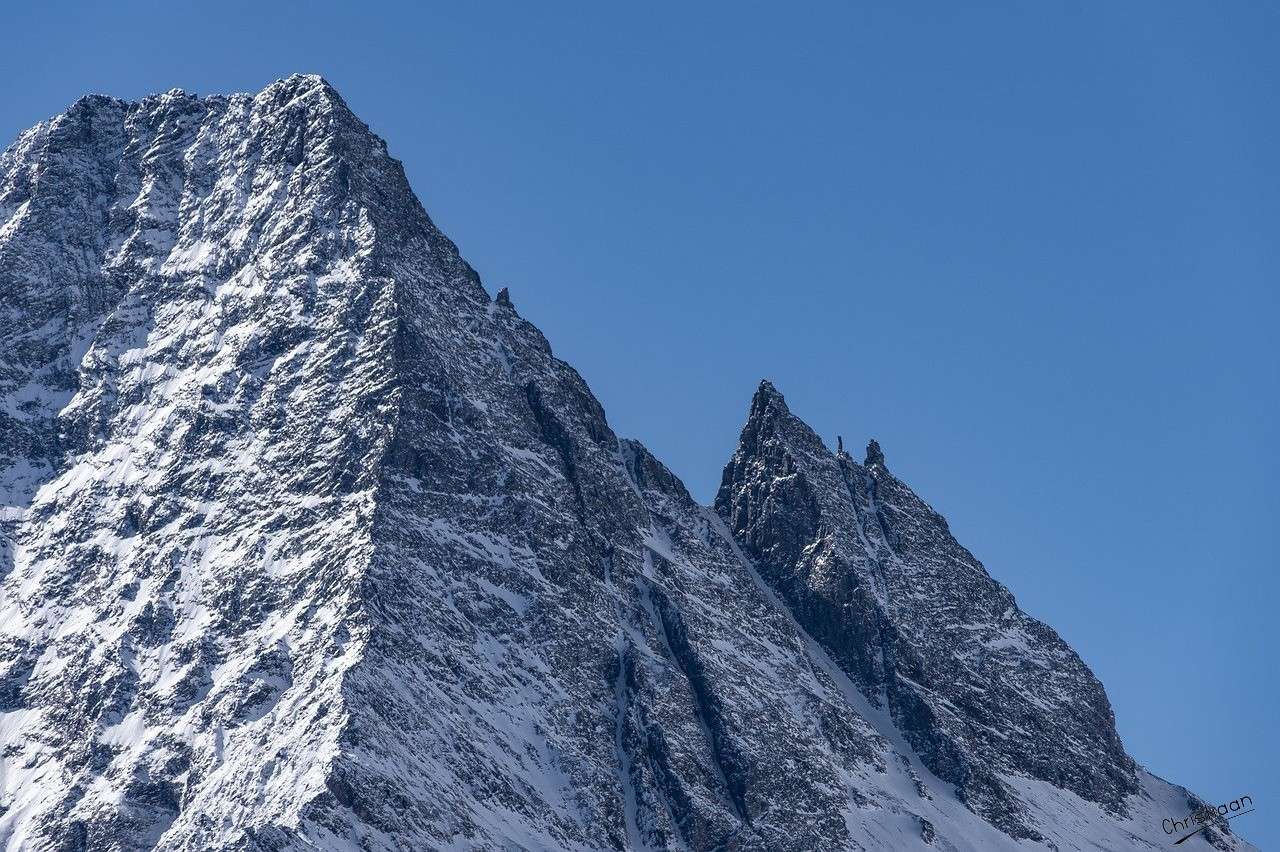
(307, 543)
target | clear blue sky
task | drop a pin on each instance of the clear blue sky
(1030, 247)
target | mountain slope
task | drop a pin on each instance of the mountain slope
(874, 574)
(307, 543)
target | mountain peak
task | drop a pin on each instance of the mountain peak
(305, 544)
(850, 553)
(303, 86)
(311, 81)
(294, 89)
(766, 396)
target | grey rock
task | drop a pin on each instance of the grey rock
(978, 688)
(307, 543)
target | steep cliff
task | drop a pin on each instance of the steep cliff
(306, 542)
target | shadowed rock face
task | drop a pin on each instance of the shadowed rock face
(305, 542)
(978, 687)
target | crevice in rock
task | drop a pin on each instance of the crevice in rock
(556, 436)
(622, 692)
(623, 689)
(724, 754)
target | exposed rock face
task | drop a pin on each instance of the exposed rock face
(306, 542)
(872, 572)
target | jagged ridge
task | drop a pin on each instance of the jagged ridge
(308, 543)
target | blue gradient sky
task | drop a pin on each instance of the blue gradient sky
(1030, 247)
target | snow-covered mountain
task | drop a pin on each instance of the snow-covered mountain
(308, 543)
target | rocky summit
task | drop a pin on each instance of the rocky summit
(306, 542)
